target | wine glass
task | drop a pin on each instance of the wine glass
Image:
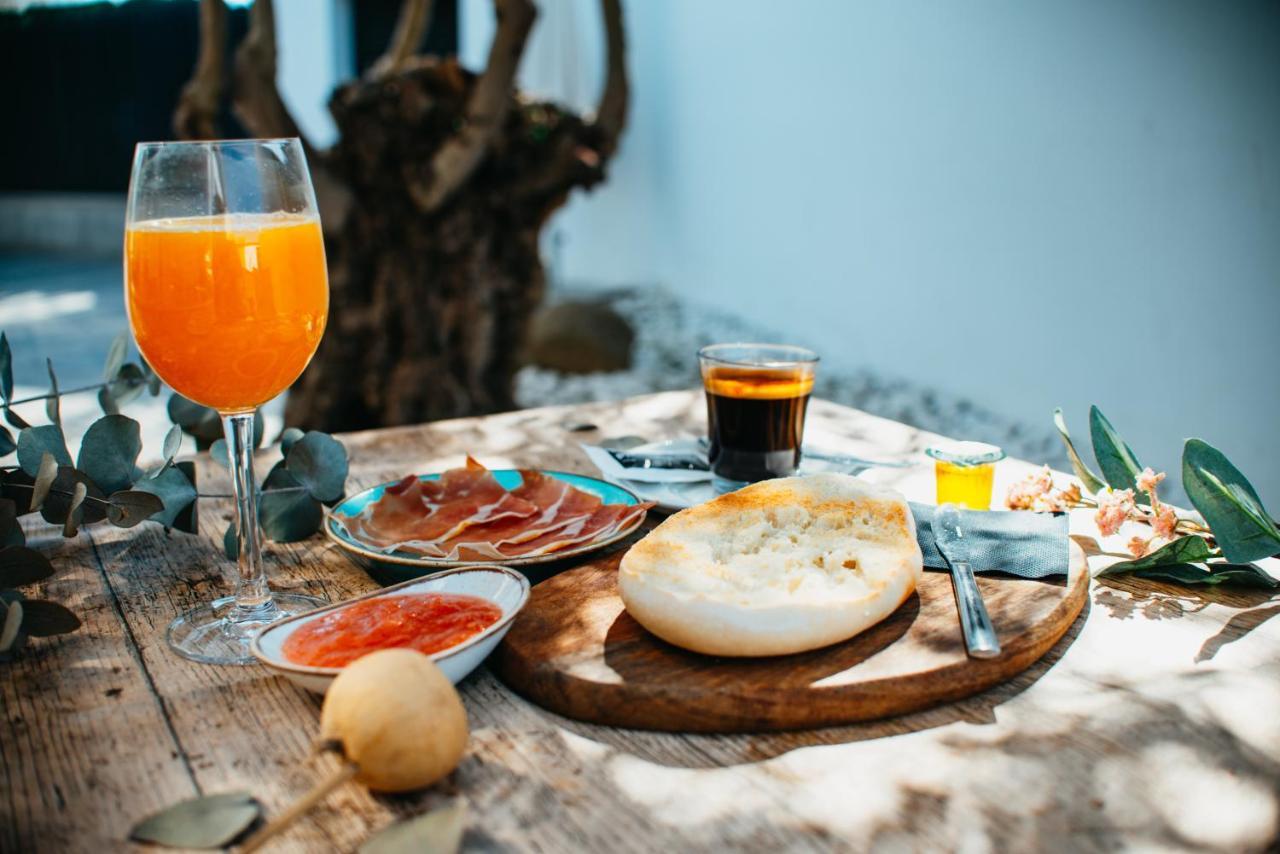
(227, 294)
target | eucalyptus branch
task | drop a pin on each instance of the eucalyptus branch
(61, 393)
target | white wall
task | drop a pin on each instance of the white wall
(1028, 203)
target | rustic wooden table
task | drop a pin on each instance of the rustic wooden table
(1154, 723)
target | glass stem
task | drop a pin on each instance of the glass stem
(253, 598)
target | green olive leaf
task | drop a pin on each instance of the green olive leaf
(176, 491)
(286, 511)
(1092, 483)
(11, 533)
(115, 356)
(1116, 459)
(1189, 549)
(6, 370)
(319, 462)
(212, 821)
(44, 480)
(53, 403)
(109, 452)
(1229, 504)
(7, 443)
(58, 506)
(35, 442)
(436, 832)
(20, 566)
(42, 619)
(129, 507)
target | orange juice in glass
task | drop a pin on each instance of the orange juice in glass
(227, 309)
(228, 295)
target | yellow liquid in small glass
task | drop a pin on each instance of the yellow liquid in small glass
(968, 486)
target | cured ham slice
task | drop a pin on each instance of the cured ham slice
(420, 514)
(466, 514)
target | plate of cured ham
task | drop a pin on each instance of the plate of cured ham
(472, 514)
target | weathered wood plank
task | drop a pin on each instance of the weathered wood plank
(1150, 725)
(82, 722)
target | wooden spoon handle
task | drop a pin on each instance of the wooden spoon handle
(298, 808)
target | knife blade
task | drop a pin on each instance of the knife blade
(685, 462)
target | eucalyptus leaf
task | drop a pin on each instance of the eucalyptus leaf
(319, 462)
(35, 442)
(172, 442)
(1229, 504)
(57, 507)
(42, 619)
(129, 507)
(109, 452)
(1116, 459)
(231, 542)
(1189, 549)
(152, 380)
(212, 821)
(1242, 575)
(11, 633)
(219, 454)
(288, 437)
(106, 402)
(16, 486)
(15, 420)
(75, 510)
(174, 489)
(44, 480)
(200, 421)
(11, 533)
(436, 832)
(287, 514)
(115, 355)
(20, 566)
(7, 443)
(53, 403)
(128, 384)
(1092, 483)
(6, 370)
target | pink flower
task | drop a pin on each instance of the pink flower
(1148, 479)
(1114, 507)
(1071, 495)
(1026, 493)
(1165, 522)
(1138, 547)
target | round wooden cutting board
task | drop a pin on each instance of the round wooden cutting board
(575, 650)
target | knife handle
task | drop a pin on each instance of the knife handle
(979, 634)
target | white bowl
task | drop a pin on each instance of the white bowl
(504, 587)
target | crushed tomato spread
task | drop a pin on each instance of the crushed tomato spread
(427, 622)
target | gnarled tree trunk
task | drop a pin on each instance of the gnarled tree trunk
(432, 202)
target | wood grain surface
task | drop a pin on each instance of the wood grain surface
(1152, 725)
(575, 650)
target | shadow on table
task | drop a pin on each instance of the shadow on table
(751, 748)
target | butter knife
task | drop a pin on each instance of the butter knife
(949, 535)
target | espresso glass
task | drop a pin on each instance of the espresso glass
(757, 395)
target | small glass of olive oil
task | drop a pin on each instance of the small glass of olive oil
(965, 472)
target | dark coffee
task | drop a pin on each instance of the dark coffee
(755, 420)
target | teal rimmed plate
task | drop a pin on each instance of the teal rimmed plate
(609, 493)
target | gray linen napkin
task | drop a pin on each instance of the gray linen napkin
(1032, 545)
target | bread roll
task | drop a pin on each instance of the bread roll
(779, 567)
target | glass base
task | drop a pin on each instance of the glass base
(217, 633)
